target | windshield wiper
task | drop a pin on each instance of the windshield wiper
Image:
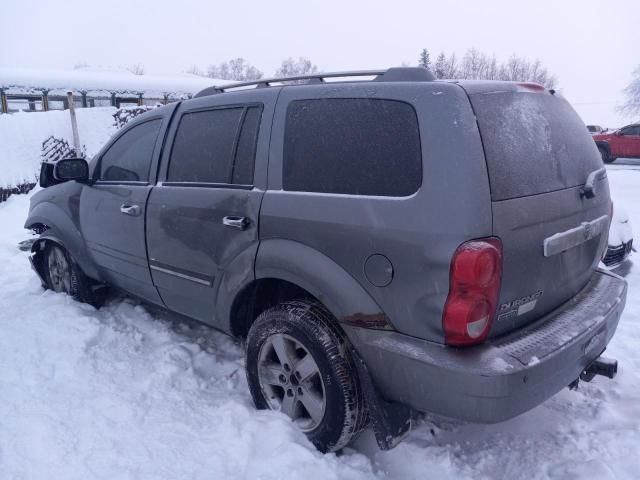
(589, 188)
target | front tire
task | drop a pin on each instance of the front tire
(298, 362)
(63, 275)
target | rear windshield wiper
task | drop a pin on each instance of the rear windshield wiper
(589, 188)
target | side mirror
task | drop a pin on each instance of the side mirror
(71, 169)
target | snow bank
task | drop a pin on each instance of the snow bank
(116, 393)
(22, 134)
(125, 393)
(101, 81)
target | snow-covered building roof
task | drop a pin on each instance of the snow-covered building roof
(97, 81)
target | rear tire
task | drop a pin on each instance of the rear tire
(63, 275)
(316, 382)
(606, 158)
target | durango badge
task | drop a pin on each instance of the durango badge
(520, 306)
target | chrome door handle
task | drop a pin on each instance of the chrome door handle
(236, 222)
(133, 210)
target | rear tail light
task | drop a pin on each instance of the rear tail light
(474, 287)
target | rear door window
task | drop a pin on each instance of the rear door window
(246, 150)
(129, 157)
(203, 146)
(215, 146)
(356, 146)
(534, 143)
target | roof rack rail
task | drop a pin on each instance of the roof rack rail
(396, 74)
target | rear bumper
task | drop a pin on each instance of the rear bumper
(504, 377)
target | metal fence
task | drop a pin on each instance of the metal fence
(11, 102)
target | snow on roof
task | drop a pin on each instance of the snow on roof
(102, 82)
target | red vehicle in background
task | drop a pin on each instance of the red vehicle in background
(623, 143)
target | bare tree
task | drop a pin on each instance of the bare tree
(513, 69)
(522, 69)
(474, 64)
(477, 65)
(292, 67)
(492, 68)
(451, 69)
(136, 69)
(235, 69)
(631, 105)
(81, 64)
(195, 70)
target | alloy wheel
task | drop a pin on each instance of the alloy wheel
(59, 270)
(291, 381)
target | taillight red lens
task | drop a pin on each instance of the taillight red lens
(474, 287)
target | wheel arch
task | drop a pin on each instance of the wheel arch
(55, 226)
(286, 270)
(605, 145)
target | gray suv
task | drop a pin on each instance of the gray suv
(383, 246)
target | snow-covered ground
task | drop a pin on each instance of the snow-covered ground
(22, 134)
(124, 393)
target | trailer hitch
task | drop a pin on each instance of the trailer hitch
(607, 367)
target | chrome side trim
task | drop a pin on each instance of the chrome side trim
(181, 275)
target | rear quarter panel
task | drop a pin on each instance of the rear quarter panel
(417, 233)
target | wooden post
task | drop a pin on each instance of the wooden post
(74, 124)
(3, 102)
(45, 100)
(113, 100)
(84, 99)
(140, 103)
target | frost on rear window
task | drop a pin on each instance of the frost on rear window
(534, 143)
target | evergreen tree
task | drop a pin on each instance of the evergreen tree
(425, 59)
(441, 66)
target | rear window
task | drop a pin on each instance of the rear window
(352, 146)
(534, 143)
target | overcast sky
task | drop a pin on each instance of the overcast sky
(591, 46)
